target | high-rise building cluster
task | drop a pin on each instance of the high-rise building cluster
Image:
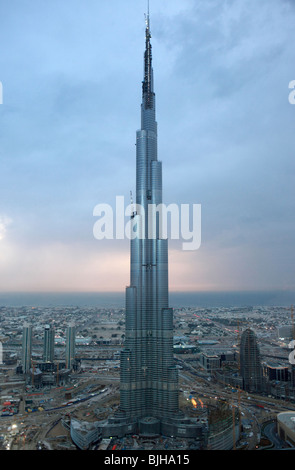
(48, 371)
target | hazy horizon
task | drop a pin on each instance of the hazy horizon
(176, 299)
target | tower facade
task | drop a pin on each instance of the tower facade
(149, 392)
(26, 348)
(70, 345)
(149, 381)
(250, 363)
(48, 350)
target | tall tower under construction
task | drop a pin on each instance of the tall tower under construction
(149, 392)
(149, 378)
(149, 385)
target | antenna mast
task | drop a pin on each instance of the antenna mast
(147, 17)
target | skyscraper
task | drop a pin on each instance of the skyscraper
(149, 378)
(27, 348)
(250, 364)
(149, 392)
(70, 345)
(48, 350)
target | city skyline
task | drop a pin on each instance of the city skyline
(70, 107)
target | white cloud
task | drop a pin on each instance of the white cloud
(4, 222)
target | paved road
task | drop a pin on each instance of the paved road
(270, 432)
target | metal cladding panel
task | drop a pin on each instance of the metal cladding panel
(162, 274)
(136, 257)
(157, 180)
(131, 322)
(141, 167)
(167, 319)
(125, 365)
(148, 121)
(152, 144)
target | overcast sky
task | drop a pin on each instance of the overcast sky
(71, 72)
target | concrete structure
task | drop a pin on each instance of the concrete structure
(210, 362)
(286, 426)
(48, 351)
(250, 363)
(26, 348)
(84, 434)
(277, 372)
(223, 428)
(70, 346)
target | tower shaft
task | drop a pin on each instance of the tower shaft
(149, 382)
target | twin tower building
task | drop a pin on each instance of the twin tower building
(149, 379)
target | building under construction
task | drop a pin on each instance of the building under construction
(223, 426)
(250, 362)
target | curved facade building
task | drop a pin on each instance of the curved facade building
(223, 423)
(250, 363)
(84, 434)
(286, 426)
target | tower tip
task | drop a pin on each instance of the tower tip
(147, 16)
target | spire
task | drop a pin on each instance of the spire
(147, 17)
(147, 86)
